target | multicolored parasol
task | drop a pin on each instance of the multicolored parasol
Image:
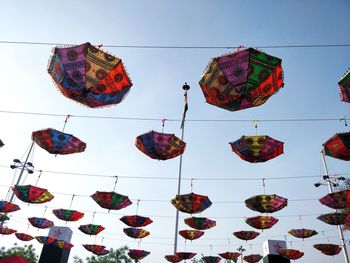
(7, 231)
(40, 222)
(160, 146)
(191, 203)
(246, 235)
(56, 142)
(266, 203)
(337, 200)
(46, 240)
(89, 76)
(3, 218)
(261, 222)
(91, 229)
(290, 253)
(242, 79)
(303, 233)
(67, 215)
(253, 258)
(138, 254)
(63, 244)
(6, 207)
(136, 232)
(328, 249)
(335, 218)
(211, 259)
(256, 149)
(136, 221)
(200, 223)
(173, 258)
(32, 194)
(338, 146)
(191, 234)
(344, 86)
(111, 200)
(185, 255)
(24, 237)
(96, 249)
(230, 256)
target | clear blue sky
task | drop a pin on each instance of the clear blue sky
(310, 91)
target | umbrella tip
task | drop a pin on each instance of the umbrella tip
(186, 86)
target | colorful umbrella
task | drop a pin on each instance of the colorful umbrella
(242, 79)
(3, 217)
(111, 200)
(32, 194)
(96, 249)
(290, 253)
(7, 231)
(138, 254)
(173, 258)
(256, 149)
(46, 240)
(191, 203)
(266, 203)
(211, 259)
(344, 86)
(89, 76)
(338, 146)
(253, 258)
(6, 207)
(24, 237)
(246, 235)
(57, 142)
(337, 200)
(200, 223)
(261, 222)
(303, 233)
(191, 234)
(230, 255)
(185, 255)
(91, 229)
(40, 222)
(335, 218)
(68, 215)
(136, 232)
(160, 146)
(136, 221)
(63, 244)
(328, 249)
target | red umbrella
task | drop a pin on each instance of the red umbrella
(136, 232)
(173, 258)
(191, 234)
(290, 253)
(32, 194)
(338, 146)
(328, 249)
(136, 221)
(261, 222)
(302, 233)
(211, 259)
(6, 207)
(138, 254)
(337, 200)
(15, 259)
(91, 229)
(230, 255)
(266, 203)
(344, 86)
(335, 218)
(24, 237)
(246, 235)
(40, 222)
(200, 223)
(96, 249)
(111, 200)
(191, 203)
(7, 231)
(185, 255)
(67, 215)
(253, 258)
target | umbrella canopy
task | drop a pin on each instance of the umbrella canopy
(96, 249)
(344, 86)
(91, 229)
(67, 215)
(46, 240)
(3, 217)
(56, 142)
(337, 200)
(256, 149)
(328, 249)
(32, 194)
(63, 244)
(40, 222)
(138, 254)
(191, 234)
(230, 255)
(160, 146)
(15, 259)
(200, 223)
(211, 259)
(253, 258)
(338, 146)
(185, 255)
(111, 200)
(89, 76)
(266, 203)
(191, 203)
(261, 222)
(136, 221)
(335, 218)
(290, 253)
(303, 233)
(7, 231)
(136, 232)
(24, 237)
(173, 258)
(242, 79)
(246, 235)
(7, 207)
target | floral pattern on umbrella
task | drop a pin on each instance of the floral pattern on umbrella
(136, 221)
(337, 200)
(24, 236)
(230, 256)
(91, 229)
(32, 194)
(96, 249)
(191, 203)
(246, 235)
(111, 200)
(328, 249)
(200, 223)
(253, 258)
(344, 86)
(191, 234)
(7, 207)
(338, 146)
(211, 259)
(290, 253)
(303, 233)
(136, 232)
(266, 203)
(67, 215)
(138, 254)
(335, 218)
(261, 222)
(7, 231)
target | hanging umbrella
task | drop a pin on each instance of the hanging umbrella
(138, 254)
(56, 142)
(338, 146)
(334, 218)
(111, 200)
(96, 249)
(246, 235)
(24, 237)
(328, 249)
(89, 76)
(261, 222)
(63, 244)
(200, 223)
(337, 200)
(230, 256)
(3, 217)
(160, 146)
(6, 207)
(242, 79)
(290, 253)
(191, 203)
(91, 229)
(7, 231)
(40, 222)
(136, 232)
(191, 234)
(67, 215)
(136, 221)
(211, 259)
(266, 203)
(185, 255)
(303, 233)
(344, 86)
(32, 194)
(46, 240)
(256, 149)
(253, 258)
(1, 144)
(173, 258)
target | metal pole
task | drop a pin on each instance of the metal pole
(330, 188)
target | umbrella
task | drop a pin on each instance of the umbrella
(136, 232)
(24, 237)
(256, 149)
(3, 217)
(211, 259)
(185, 255)
(191, 203)
(200, 223)
(338, 146)
(91, 229)
(173, 258)
(290, 253)
(138, 254)
(303, 233)
(68, 215)
(246, 235)
(328, 249)
(191, 234)
(160, 146)
(63, 244)
(7, 231)
(40, 222)
(14, 259)
(266, 203)
(334, 218)
(46, 240)
(136, 221)
(111, 200)
(242, 79)
(230, 255)
(344, 86)
(96, 249)
(6, 207)
(32, 194)
(89, 76)
(1, 144)
(337, 200)
(57, 142)
(261, 222)
(253, 258)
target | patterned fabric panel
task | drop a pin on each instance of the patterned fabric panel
(344, 86)
(136, 232)
(6, 207)
(138, 254)
(191, 234)
(335, 218)
(291, 253)
(24, 237)
(68, 215)
(46, 240)
(136, 221)
(328, 249)
(200, 223)
(96, 249)
(337, 200)
(191, 203)
(230, 255)
(261, 222)
(32, 194)
(111, 200)
(303, 233)
(40, 222)
(246, 235)
(266, 203)
(253, 258)
(338, 146)
(91, 229)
